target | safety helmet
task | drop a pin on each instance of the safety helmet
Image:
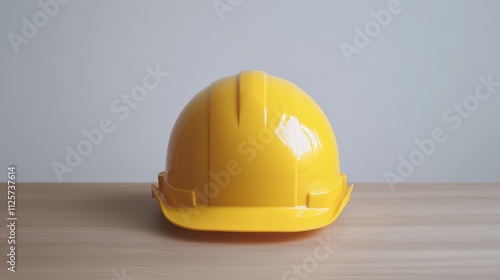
(252, 153)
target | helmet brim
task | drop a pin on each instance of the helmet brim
(251, 219)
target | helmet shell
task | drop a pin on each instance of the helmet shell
(252, 152)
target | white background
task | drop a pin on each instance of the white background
(394, 91)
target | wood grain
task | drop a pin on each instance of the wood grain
(116, 231)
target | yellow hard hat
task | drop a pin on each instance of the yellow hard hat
(252, 152)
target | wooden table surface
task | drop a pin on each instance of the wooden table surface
(116, 231)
